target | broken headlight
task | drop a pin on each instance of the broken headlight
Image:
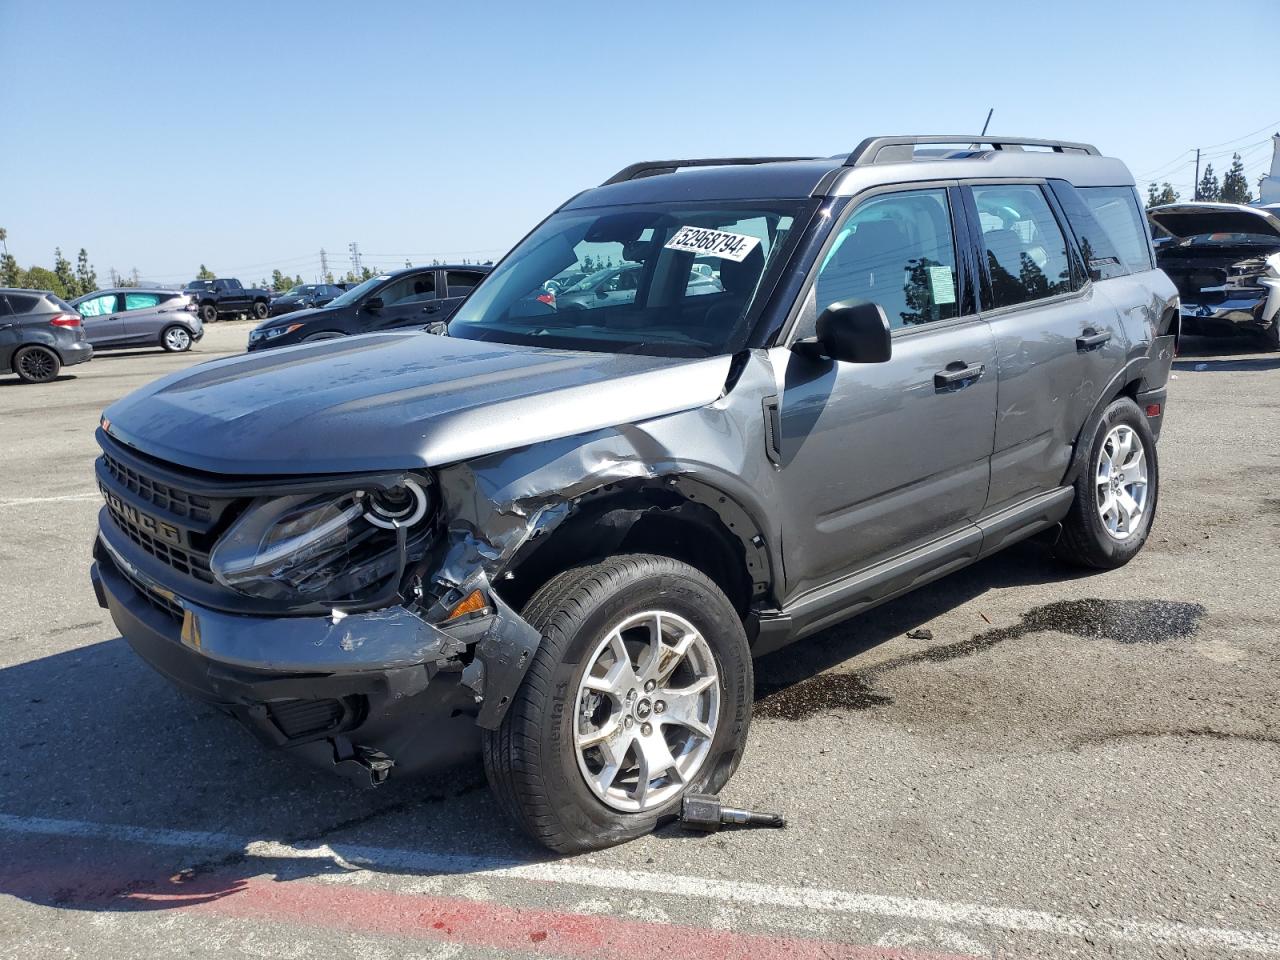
(322, 549)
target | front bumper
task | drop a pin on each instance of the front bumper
(362, 693)
(1236, 314)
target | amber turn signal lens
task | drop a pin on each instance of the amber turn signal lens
(471, 603)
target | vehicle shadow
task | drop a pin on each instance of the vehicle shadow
(8, 381)
(97, 738)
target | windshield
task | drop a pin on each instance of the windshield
(642, 291)
(356, 292)
(1268, 240)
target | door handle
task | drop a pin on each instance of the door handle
(431, 308)
(1090, 340)
(957, 374)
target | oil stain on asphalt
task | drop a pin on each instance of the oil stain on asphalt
(1118, 621)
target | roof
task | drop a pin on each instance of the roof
(876, 161)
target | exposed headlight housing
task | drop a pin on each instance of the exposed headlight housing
(328, 548)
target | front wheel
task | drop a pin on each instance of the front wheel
(1116, 493)
(260, 310)
(176, 339)
(36, 364)
(640, 692)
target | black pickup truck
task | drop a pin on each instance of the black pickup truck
(217, 298)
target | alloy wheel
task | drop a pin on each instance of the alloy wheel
(1121, 482)
(646, 711)
(177, 339)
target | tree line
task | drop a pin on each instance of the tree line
(1234, 188)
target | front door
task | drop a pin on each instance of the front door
(879, 458)
(408, 301)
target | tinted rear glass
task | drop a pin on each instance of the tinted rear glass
(27, 303)
(1116, 210)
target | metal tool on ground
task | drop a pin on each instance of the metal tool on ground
(702, 811)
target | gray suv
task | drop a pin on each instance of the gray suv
(561, 535)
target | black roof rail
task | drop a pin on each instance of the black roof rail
(900, 149)
(651, 168)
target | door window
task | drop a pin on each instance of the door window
(461, 282)
(898, 251)
(409, 289)
(1116, 209)
(1025, 249)
(140, 301)
(98, 306)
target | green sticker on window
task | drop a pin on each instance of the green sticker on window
(943, 284)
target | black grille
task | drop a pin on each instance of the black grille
(1190, 281)
(190, 562)
(164, 497)
(305, 718)
(158, 600)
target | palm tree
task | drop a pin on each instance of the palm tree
(4, 239)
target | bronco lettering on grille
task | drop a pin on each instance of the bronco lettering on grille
(150, 524)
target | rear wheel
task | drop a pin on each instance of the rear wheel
(176, 339)
(36, 364)
(322, 335)
(1116, 493)
(640, 692)
(209, 313)
(260, 310)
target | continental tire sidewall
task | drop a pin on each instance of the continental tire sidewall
(584, 818)
(1118, 552)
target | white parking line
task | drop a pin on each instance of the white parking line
(1132, 930)
(26, 501)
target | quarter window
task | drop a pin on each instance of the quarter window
(98, 306)
(140, 301)
(1116, 210)
(897, 250)
(461, 282)
(1025, 249)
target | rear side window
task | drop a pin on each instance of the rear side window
(1116, 210)
(140, 301)
(98, 306)
(461, 282)
(896, 250)
(1025, 249)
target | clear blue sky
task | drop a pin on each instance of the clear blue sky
(249, 135)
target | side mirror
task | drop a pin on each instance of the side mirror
(852, 333)
(373, 303)
(602, 293)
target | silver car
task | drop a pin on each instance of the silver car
(139, 317)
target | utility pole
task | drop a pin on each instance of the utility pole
(324, 266)
(1195, 189)
(354, 249)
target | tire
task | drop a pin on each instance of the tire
(36, 364)
(532, 760)
(175, 338)
(1271, 336)
(209, 313)
(322, 335)
(1088, 538)
(260, 310)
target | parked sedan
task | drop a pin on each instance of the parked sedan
(303, 297)
(138, 317)
(40, 334)
(1225, 262)
(414, 297)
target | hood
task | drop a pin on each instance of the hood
(1191, 219)
(297, 316)
(396, 401)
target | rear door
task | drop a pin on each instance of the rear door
(103, 320)
(1059, 340)
(457, 283)
(876, 459)
(142, 318)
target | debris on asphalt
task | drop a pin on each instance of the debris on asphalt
(922, 633)
(702, 811)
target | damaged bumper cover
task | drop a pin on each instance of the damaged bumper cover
(365, 691)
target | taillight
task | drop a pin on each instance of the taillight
(65, 320)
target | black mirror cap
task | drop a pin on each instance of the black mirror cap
(373, 303)
(855, 332)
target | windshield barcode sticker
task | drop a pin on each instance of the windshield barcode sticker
(712, 243)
